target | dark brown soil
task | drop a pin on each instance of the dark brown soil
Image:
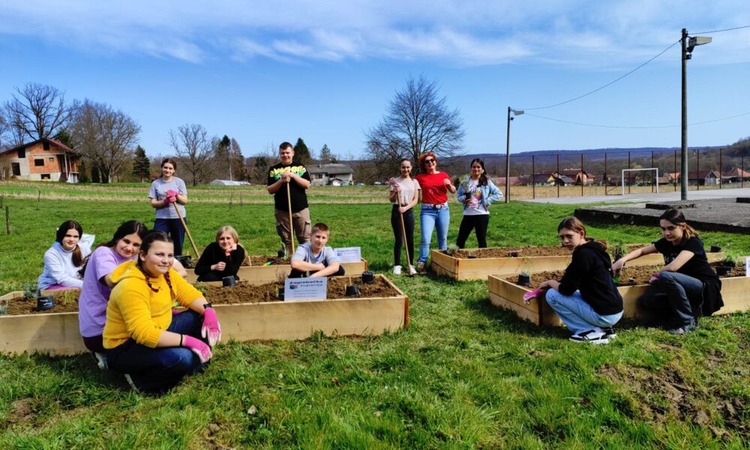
(260, 260)
(511, 252)
(631, 276)
(243, 292)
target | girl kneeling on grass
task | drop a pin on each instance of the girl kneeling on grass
(144, 340)
(97, 282)
(687, 286)
(586, 299)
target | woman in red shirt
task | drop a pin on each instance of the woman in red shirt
(435, 186)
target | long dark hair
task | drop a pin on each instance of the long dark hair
(574, 224)
(483, 176)
(151, 237)
(62, 230)
(126, 228)
(676, 217)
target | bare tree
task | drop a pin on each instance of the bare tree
(192, 145)
(105, 137)
(261, 162)
(417, 120)
(38, 111)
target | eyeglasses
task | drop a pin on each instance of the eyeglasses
(429, 161)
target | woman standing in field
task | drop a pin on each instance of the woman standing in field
(586, 299)
(687, 287)
(167, 194)
(435, 186)
(64, 259)
(143, 339)
(97, 282)
(221, 258)
(476, 194)
(404, 195)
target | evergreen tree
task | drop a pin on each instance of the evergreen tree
(141, 164)
(301, 152)
(325, 155)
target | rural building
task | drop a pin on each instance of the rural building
(704, 178)
(333, 174)
(44, 159)
(579, 176)
(736, 175)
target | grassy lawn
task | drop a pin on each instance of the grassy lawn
(464, 375)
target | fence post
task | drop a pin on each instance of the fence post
(7, 220)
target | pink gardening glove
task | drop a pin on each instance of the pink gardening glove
(530, 295)
(168, 200)
(198, 347)
(654, 277)
(172, 193)
(211, 328)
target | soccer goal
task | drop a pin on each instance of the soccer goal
(646, 169)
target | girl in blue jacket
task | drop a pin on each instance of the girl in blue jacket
(476, 193)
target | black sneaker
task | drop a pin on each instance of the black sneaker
(684, 329)
(590, 336)
(610, 333)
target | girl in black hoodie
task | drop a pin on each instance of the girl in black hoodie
(586, 299)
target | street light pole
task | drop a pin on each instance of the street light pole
(688, 44)
(507, 152)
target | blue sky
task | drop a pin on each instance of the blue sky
(268, 71)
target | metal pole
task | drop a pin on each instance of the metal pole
(684, 146)
(507, 160)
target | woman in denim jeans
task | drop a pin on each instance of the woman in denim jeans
(435, 186)
(476, 193)
(686, 287)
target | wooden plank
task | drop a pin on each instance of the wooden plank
(480, 268)
(508, 295)
(57, 333)
(267, 274)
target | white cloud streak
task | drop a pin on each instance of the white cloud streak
(473, 32)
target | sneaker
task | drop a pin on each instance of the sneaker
(397, 270)
(421, 267)
(129, 379)
(610, 332)
(101, 360)
(590, 336)
(412, 270)
(684, 329)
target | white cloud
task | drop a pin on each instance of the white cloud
(472, 32)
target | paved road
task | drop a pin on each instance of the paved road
(671, 196)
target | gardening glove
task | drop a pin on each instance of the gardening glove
(654, 277)
(168, 200)
(211, 328)
(198, 347)
(172, 193)
(530, 295)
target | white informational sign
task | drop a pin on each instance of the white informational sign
(88, 239)
(305, 289)
(747, 266)
(349, 254)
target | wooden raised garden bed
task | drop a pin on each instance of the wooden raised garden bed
(505, 293)
(259, 274)
(478, 264)
(57, 333)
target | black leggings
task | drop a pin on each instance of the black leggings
(398, 234)
(468, 223)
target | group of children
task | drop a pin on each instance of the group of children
(130, 284)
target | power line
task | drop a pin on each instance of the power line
(606, 85)
(634, 127)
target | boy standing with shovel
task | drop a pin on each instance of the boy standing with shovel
(288, 182)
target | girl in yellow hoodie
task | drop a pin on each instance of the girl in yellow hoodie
(143, 339)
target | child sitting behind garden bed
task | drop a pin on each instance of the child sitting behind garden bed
(586, 299)
(314, 258)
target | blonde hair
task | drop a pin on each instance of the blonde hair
(228, 229)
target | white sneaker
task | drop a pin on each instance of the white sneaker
(101, 360)
(129, 379)
(412, 270)
(591, 336)
(397, 270)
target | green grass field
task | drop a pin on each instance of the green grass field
(464, 375)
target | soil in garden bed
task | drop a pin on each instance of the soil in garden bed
(631, 276)
(243, 292)
(511, 252)
(260, 260)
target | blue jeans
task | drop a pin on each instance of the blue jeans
(674, 294)
(578, 315)
(429, 218)
(156, 370)
(175, 230)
